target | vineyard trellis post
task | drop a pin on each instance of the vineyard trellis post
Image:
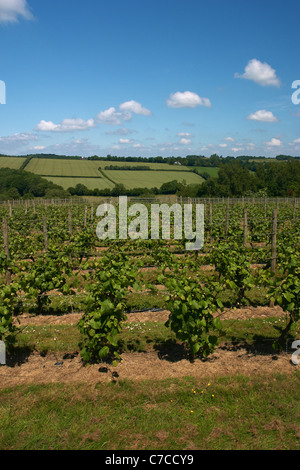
(227, 219)
(92, 212)
(45, 232)
(245, 227)
(210, 220)
(274, 240)
(6, 249)
(70, 221)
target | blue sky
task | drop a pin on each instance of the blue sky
(141, 77)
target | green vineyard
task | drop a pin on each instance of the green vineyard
(51, 250)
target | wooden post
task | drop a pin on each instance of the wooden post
(92, 212)
(6, 249)
(45, 233)
(210, 220)
(70, 221)
(85, 215)
(10, 209)
(227, 220)
(274, 240)
(245, 227)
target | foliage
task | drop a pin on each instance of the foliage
(192, 307)
(14, 184)
(108, 284)
(8, 329)
(45, 273)
(285, 289)
(232, 264)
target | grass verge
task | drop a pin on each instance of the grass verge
(230, 413)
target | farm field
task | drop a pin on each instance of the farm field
(186, 353)
(69, 173)
(151, 179)
(60, 167)
(91, 183)
(61, 171)
(13, 163)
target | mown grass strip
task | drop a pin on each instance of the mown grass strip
(230, 413)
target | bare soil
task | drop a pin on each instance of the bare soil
(168, 362)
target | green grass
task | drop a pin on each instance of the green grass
(238, 413)
(13, 163)
(59, 167)
(68, 173)
(90, 183)
(151, 179)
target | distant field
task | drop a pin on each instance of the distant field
(90, 183)
(151, 179)
(11, 162)
(55, 167)
(68, 173)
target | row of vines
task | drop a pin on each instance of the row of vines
(51, 251)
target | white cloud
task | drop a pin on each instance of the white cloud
(184, 134)
(186, 99)
(11, 10)
(134, 107)
(39, 147)
(229, 139)
(10, 143)
(260, 72)
(18, 138)
(263, 116)
(237, 149)
(223, 145)
(185, 141)
(112, 116)
(67, 125)
(274, 142)
(296, 141)
(125, 141)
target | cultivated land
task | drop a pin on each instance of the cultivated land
(245, 395)
(90, 183)
(68, 173)
(11, 162)
(151, 179)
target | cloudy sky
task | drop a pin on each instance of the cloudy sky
(150, 77)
